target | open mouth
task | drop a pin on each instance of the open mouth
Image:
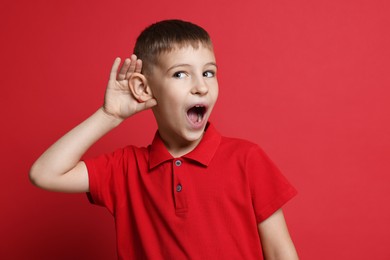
(196, 113)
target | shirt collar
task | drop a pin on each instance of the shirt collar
(203, 152)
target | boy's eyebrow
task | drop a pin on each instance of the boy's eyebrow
(212, 63)
(189, 65)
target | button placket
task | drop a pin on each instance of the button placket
(179, 190)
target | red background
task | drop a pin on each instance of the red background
(307, 80)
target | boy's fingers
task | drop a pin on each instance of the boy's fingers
(130, 65)
(114, 68)
(138, 66)
(133, 61)
(123, 71)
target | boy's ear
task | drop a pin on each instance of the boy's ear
(139, 87)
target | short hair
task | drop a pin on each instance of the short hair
(166, 35)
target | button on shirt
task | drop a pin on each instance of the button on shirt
(203, 205)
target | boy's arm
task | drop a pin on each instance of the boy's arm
(59, 168)
(275, 238)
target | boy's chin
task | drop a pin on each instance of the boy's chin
(195, 135)
(192, 136)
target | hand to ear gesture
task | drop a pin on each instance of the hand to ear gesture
(119, 100)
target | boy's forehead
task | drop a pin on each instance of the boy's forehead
(186, 54)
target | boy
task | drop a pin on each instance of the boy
(191, 194)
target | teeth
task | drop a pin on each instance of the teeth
(199, 118)
(200, 114)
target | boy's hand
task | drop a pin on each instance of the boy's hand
(60, 168)
(119, 101)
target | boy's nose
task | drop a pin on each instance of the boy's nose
(199, 87)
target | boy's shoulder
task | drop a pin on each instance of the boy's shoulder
(234, 146)
(239, 143)
(124, 152)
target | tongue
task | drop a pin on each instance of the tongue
(194, 116)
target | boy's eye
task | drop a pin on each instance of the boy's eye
(179, 74)
(208, 74)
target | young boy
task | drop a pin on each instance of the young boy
(191, 194)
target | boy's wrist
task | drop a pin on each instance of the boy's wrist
(111, 118)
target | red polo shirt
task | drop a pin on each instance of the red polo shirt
(204, 205)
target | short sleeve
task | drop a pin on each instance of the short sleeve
(106, 173)
(270, 190)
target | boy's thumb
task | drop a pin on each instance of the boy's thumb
(150, 103)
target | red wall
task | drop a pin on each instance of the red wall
(307, 80)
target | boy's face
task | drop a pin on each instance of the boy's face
(185, 86)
